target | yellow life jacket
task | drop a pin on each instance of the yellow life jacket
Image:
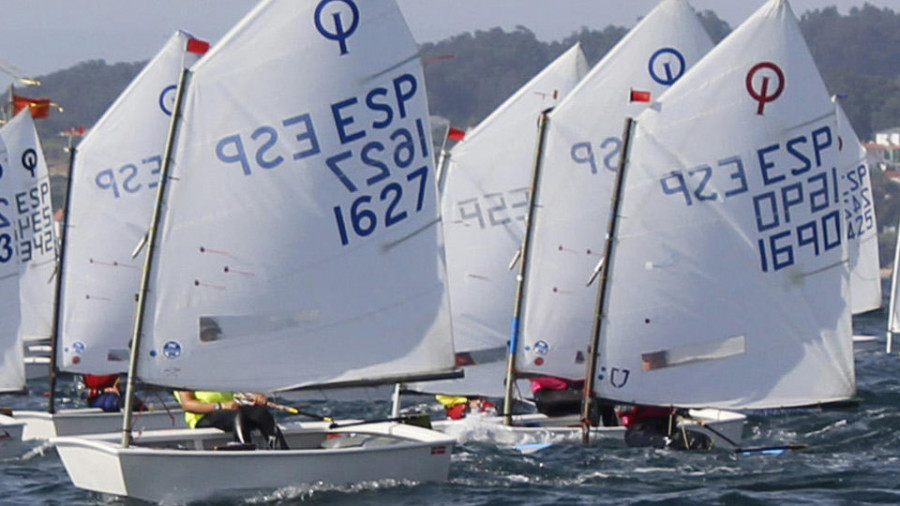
(448, 401)
(192, 418)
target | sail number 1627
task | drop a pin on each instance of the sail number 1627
(367, 211)
(384, 196)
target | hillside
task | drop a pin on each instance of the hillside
(470, 74)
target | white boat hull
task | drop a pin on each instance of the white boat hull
(68, 422)
(538, 428)
(11, 443)
(178, 466)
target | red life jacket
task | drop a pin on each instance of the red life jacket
(639, 413)
(458, 411)
(96, 383)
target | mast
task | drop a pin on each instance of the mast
(543, 122)
(442, 161)
(892, 305)
(61, 252)
(395, 400)
(588, 392)
(148, 259)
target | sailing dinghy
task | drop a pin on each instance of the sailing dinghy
(573, 179)
(894, 306)
(31, 217)
(39, 254)
(729, 273)
(484, 198)
(860, 222)
(113, 178)
(859, 215)
(296, 244)
(13, 180)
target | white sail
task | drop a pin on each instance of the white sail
(12, 365)
(729, 277)
(31, 214)
(894, 304)
(484, 200)
(573, 195)
(300, 241)
(114, 180)
(859, 215)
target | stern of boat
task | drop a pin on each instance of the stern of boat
(11, 445)
(92, 464)
(38, 424)
(729, 424)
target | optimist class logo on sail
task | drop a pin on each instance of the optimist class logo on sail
(667, 66)
(758, 84)
(167, 99)
(337, 31)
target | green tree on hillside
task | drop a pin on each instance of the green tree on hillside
(858, 55)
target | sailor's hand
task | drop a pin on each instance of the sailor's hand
(256, 399)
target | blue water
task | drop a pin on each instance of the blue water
(853, 458)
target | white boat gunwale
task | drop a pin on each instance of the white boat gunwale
(568, 427)
(406, 436)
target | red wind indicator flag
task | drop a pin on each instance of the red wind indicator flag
(455, 134)
(640, 96)
(197, 46)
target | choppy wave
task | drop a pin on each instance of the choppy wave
(853, 458)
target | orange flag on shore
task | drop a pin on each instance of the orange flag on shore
(40, 107)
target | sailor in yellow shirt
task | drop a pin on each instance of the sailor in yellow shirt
(222, 411)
